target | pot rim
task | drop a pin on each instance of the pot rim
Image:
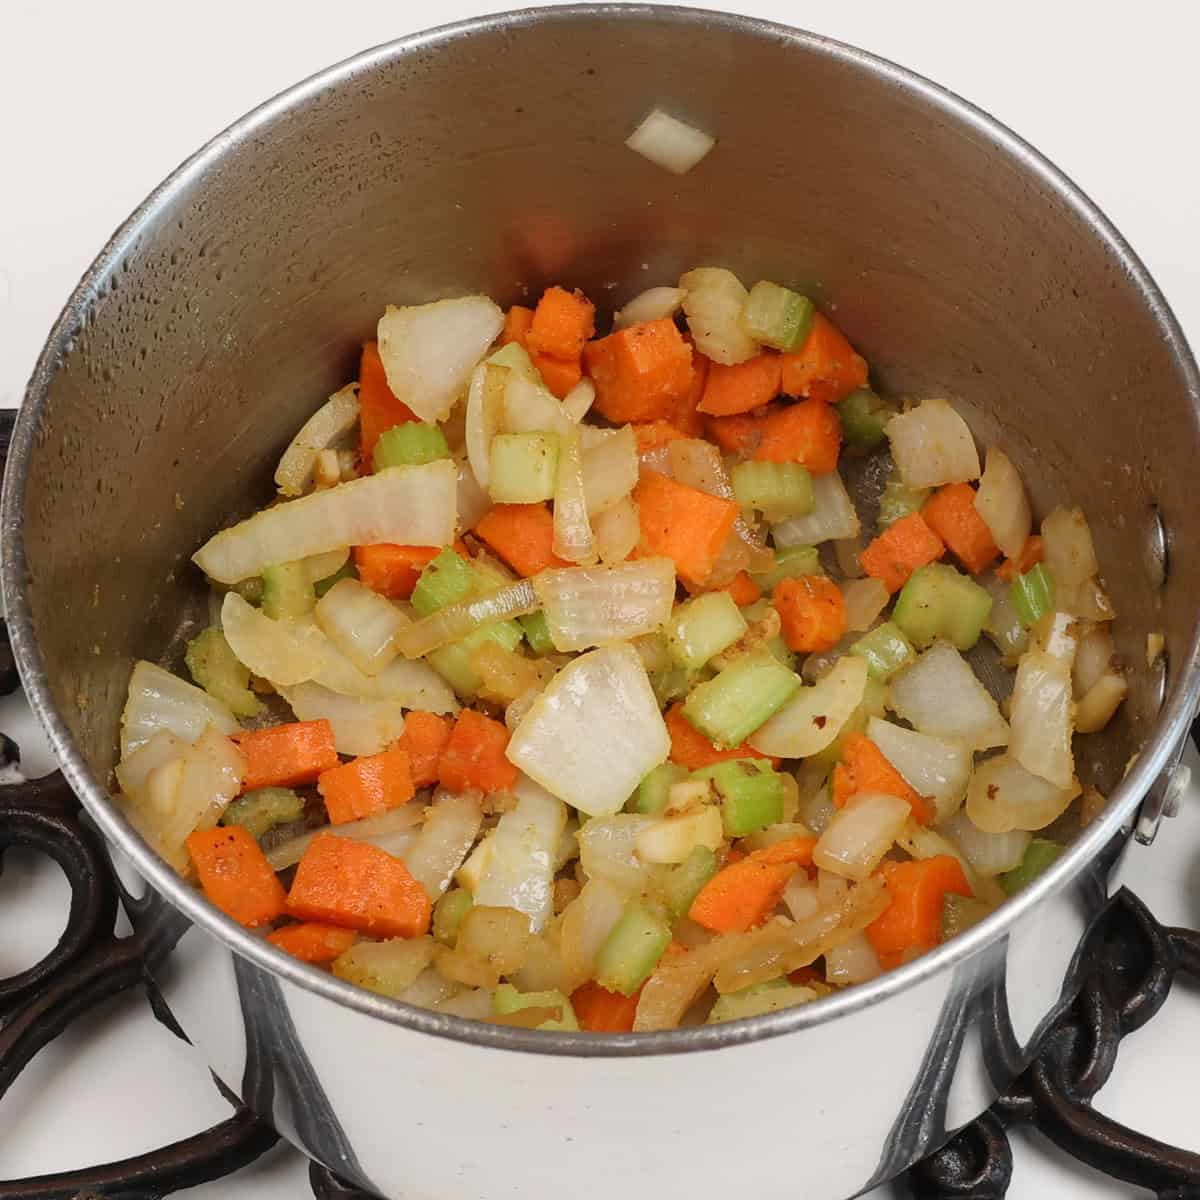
(1171, 726)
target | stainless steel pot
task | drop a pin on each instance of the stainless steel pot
(488, 156)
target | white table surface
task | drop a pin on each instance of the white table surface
(99, 101)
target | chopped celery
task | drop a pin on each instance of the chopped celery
(453, 662)
(410, 445)
(506, 999)
(898, 501)
(537, 632)
(886, 650)
(751, 794)
(940, 602)
(653, 792)
(671, 684)
(775, 645)
(346, 571)
(287, 591)
(874, 704)
(1003, 625)
(445, 580)
(1032, 595)
(761, 998)
(524, 467)
(385, 967)
(448, 914)
(777, 490)
(683, 884)
(959, 913)
(216, 668)
(730, 707)
(790, 563)
(1040, 855)
(700, 628)
(250, 590)
(261, 810)
(776, 316)
(864, 418)
(632, 949)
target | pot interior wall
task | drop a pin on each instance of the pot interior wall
(495, 163)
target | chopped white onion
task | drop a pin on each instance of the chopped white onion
(672, 838)
(455, 621)
(471, 873)
(618, 531)
(1002, 503)
(1087, 600)
(409, 684)
(153, 753)
(531, 408)
(359, 726)
(473, 501)
(833, 517)
(321, 566)
(1096, 707)
(450, 829)
(608, 849)
(932, 445)
(579, 400)
(332, 421)
(713, 302)
(159, 700)
(573, 538)
(393, 831)
(361, 623)
(940, 695)
(669, 142)
(865, 599)
(485, 417)
(651, 305)
(475, 1004)
(854, 961)
(932, 766)
(597, 702)
(284, 652)
(592, 606)
(428, 990)
(800, 896)
(815, 715)
(1070, 554)
(861, 834)
(410, 506)
(586, 922)
(1093, 657)
(1003, 626)
(610, 470)
(1057, 634)
(1041, 714)
(1003, 796)
(429, 351)
(990, 854)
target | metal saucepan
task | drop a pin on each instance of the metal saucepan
(488, 156)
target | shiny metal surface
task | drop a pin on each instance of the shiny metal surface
(489, 156)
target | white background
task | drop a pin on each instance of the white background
(99, 101)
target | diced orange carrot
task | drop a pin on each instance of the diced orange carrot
(798, 850)
(367, 785)
(864, 768)
(600, 1011)
(743, 589)
(685, 415)
(740, 388)
(287, 755)
(392, 570)
(691, 749)
(522, 535)
(913, 920)
(560, 375)
(517, 321)
(356, 885)
(641, 373)
(812, 611)
(378, 407)
(950, 512)
(425, 736)
(312, 941)
(652, 435)
(741, 435)
(235, 874)
(1032, 553)
(899, 550)
(683, 523)
(808, 433)
(474, 755)
(825, 367)
(741, 895)
(562, 322)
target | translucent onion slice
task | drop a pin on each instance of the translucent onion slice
(618, 530)
(610, 470)
(159, 749)
(473, 501)
(1042, 718)
(586, 922)
(579, 400)
(393, 831)
(990, 854)
(811, 720)
(854, 961)
(1093, 657)
(592, 606)
(485, 417)
(713, 302)
(608, 849)
(531, 408)
(410, 684)
(861, 834)
(573, 538)
(669, 142)
(361, 623)
(1003, 796)
(932, 445)
(932, 766)
(409, 506)
(940, 695)
(833, 517)
(671, 839)
(159, 701)
(651, 305)
(331, 422)
(865, 600)
(1002, 503)
(359, 726)
(1100, 703)
(451, 826)
(454, 622)
(283, 652)
(1070, 553)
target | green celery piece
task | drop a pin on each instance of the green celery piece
(524, 467)
(940, 602)
(410, 445)
(683, 884)
(453, 662)
(287, 591)
(886, 650)
(776, 646)
(751, 794)
(790, 563)
(261, 810)
(899, 501)
(215, 667)
(653, 792)
(730, 707)
(250, 590)
(632, 949)
(1040, 855)
(864, 417)
(346, 571)
(448, 914)
(671, 684)
(1032, 595)
(506, 999)
(537, 632)
(776, 316)
(959, 913)
(777, 490)
(444, 580)
(702, 627)
(755, 1001)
